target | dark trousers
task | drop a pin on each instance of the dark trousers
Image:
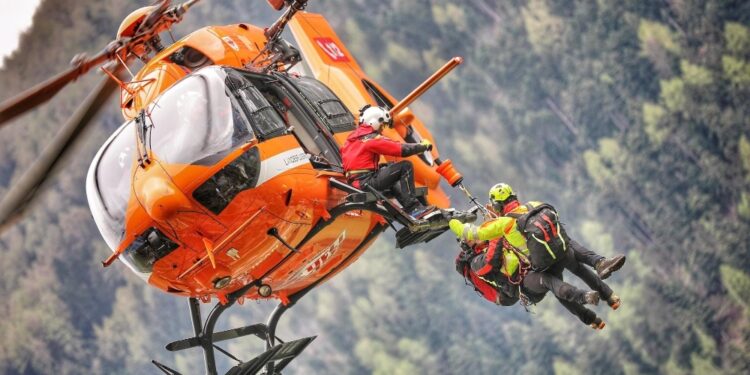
(576, 256)
(535, 287)
(586, 274)
(399, 177)
(536, 284)
(582, 254)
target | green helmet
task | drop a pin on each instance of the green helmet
(500, 194)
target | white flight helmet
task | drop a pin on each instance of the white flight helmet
(375, 117)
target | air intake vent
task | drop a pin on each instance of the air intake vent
(149, 247)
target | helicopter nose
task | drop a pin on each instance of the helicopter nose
(161, 198)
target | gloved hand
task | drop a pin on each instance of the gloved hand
(427, 144)
(457, 227)
(465, 246)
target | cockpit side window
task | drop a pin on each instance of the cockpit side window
(326, 104)
(262, 115)
(242, 133)
(378, 96)
(263, 118)
(313, 136)
(291, 116)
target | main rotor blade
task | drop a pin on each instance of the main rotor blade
(21, 193)
(47, 89)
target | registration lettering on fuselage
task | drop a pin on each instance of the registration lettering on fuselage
(295, 159)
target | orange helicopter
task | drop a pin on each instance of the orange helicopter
(225, 179)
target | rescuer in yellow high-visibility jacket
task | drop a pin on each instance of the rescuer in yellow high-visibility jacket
(501, 276)
(505, 203)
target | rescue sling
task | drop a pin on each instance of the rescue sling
(489, 283)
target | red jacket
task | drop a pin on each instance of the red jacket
(487, 291)
(484, 274)
(363, 148)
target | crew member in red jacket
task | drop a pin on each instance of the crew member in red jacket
(361, 153)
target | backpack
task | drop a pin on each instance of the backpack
(544, 237)
(493, 287)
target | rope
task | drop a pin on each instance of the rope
(485, 212)
(525, 302)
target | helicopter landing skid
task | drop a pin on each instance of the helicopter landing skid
(277, 356)
(274, 359)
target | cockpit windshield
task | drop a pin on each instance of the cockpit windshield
(197, 121)
(108, 183)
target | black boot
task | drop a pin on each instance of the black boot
(605, 267)
(614, 301)
(598, 323)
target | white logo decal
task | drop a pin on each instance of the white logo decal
(295, 159)
(233, 253)
(317, 263)
(229, 41)
(281, 163)
(331, 49)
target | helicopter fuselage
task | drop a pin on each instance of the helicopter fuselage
(221, 175)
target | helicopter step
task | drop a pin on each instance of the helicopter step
(414, 230)
(431, 226)
(369, 197)
(422, 229)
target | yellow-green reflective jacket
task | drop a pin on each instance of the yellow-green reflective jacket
(503, 226)
(510, 261)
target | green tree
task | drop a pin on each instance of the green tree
(737, 284)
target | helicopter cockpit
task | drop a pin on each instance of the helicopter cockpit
(310, 110)
(204, 117)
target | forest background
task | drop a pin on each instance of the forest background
(631, 117)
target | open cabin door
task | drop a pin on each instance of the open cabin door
(331, 62)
